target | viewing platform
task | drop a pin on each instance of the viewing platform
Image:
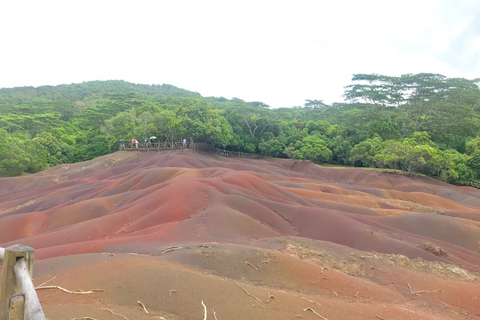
(159, 146)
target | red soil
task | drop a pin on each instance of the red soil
(173, 229)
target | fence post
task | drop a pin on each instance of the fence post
(9, 284)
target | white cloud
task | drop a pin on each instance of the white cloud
(278, 52)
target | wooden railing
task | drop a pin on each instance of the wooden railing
(157, 146)
(468, 183)
(18, 298)
(167, 145)
(228, 153)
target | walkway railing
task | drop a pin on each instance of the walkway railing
(157, 146)
(18, 298)
(468, 183)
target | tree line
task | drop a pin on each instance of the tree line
(419, 123)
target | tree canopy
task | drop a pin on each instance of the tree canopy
(420, 123)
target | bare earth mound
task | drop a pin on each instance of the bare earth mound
(187, 235)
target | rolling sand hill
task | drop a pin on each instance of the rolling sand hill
(185, 233)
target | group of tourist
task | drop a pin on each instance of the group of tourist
(153, 139)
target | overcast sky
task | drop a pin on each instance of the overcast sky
(277, 52)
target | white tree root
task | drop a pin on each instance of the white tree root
(116, 314)
(68, 291)
(311, 301)
(314, 312)
(143, 306)
(251, 295)
(173, 249)
(415, 292)
(47, 282)
(205, 310)
(270, 296)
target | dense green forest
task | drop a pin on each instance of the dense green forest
(419, 123)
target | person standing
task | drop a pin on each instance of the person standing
(134, 143)
(122, 143)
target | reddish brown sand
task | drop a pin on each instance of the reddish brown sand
(251, 239)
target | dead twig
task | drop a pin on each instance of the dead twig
(143, 306)
(214, 314)
(205, 309)
(109, 254)
(251, 295)
(270, 296)
(251, 265)
(173, 290)
(68, 291)
(47, 282)
(314, 312)
(335, 293)
(379, 318)
(116, 314)
(311, 301)
(415, 292)
(173, 249)
(410, 288)
(84, 318)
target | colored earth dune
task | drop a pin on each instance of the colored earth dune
(191, 235)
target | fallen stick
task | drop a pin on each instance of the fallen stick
(68, 291)
(314, 312)
(205, 309)
(270, 296)
(173, 249)
(143, 306)
(214, 314)
(311, 301)
(415, 292)
(47, 282)
(84, 318)
(410, 288)
(251, 265)
(117, 314)
(251, 295)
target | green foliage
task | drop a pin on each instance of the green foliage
(312, 148)
(473, 152)
(340, 150)
(416, 122)
(55, 151)
(203, 123)
(363, 154)
(273, 147)
(14, 159)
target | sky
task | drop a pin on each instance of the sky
(277, 52)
